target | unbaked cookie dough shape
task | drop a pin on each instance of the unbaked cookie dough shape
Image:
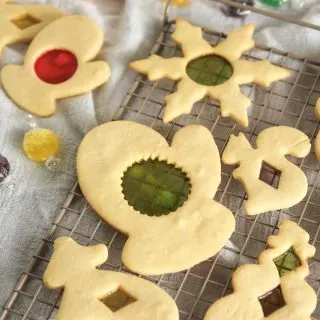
(22, 22)
(262, 292)
(100, 294)
(194, 232)
(206, 70)
(273, 144)
(57, 65)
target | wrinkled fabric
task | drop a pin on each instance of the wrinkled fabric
(131, 28)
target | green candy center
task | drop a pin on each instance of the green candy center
(210, 70)
(155, 187)
(274, 3)
(287, 262)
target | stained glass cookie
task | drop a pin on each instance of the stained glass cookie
(275, 288)
(206, 70)
(100, 294)
(57, 65)
(161, 196)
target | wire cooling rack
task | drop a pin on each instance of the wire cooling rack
(289, 102)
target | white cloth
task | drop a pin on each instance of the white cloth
(131, 28)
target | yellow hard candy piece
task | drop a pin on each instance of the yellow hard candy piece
(41, 144)
(178, 3)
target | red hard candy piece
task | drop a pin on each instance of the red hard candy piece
(56, 66)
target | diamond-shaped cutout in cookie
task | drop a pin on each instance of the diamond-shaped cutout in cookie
(272, 301)
(117, 300)
(270, 175)
(24, 21)
(287, 262)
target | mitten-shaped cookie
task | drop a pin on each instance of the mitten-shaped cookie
(21, 22)
(100, 294)
(288, 184)
(57, 65)
(161, 196)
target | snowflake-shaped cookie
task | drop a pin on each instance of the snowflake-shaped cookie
(226, 71)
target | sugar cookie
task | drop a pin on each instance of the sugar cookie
(289, 247)
(272, 146)
(173, 241)
(259, 291)
(100, 294)
(21, 22)
(57, 65)
(317, 141)
(206, 70)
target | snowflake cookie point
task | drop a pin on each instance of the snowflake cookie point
(156, 241)
(207, 70)
(102, 294)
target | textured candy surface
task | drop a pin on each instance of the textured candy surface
(41, 144)
(4, 168)
(287, 262)
(155, 187)
(210, 70)
(56, 66)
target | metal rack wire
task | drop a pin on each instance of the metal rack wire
(288, 102)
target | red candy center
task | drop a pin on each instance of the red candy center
(56, 66)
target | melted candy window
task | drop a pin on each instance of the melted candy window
(24, 21)
(56, 66)
(287, 262)
(155, 187)
(272, 301)
(210, 70)
(117, 300)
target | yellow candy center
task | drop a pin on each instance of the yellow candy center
(41, 144)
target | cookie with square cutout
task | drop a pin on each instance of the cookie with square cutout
(22, 22)
(101, 294)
